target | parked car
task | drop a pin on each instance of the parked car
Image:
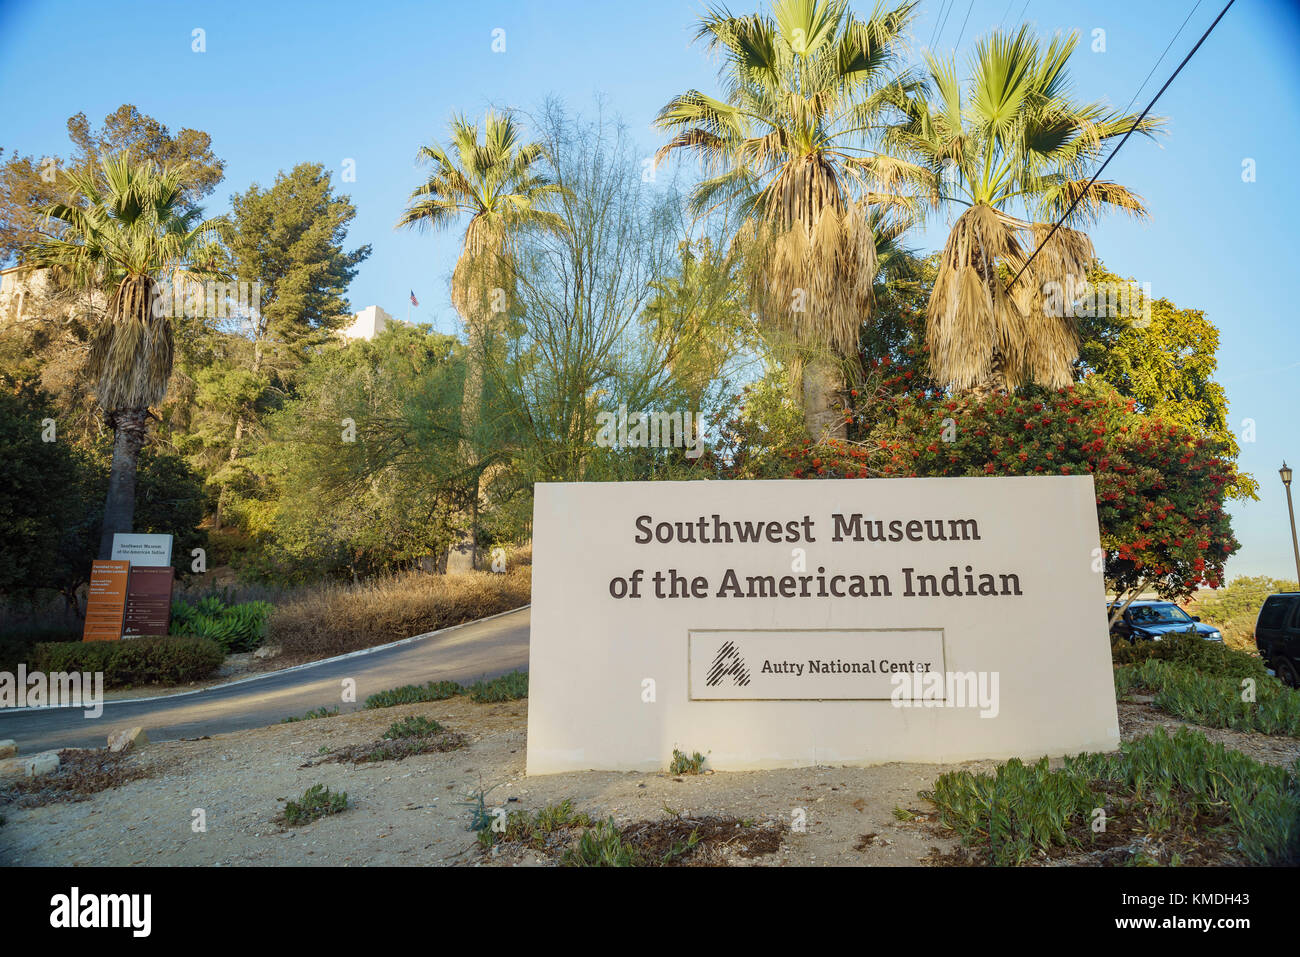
(1277, 636)
(1151, 620)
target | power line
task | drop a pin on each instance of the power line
(1135, 125)
(935, 29)
(963, 25)
(1003, 18)
(1156, 65)
(944, 26)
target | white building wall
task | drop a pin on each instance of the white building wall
(367, 324)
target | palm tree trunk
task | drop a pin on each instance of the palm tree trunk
(822, 384)
(464, 554)
(129, 428)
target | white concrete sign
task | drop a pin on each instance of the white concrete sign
(140, 548)
(797, 623)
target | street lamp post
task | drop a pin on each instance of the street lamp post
(1285, 472)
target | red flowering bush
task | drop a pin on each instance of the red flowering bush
(1160, 487)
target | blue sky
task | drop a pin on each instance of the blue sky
(282, 83)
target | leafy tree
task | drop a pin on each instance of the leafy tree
(789, 149)
(28, 185)
(41, 497)
(290, 239)
(1160, 486)
(1235, 609)
(1165, 362)
(127, 226)
(50, 495)
(582, 342)
(496, 183)
(698, 317)
(383, 491)
(1013, 140)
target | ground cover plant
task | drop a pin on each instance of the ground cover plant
(316, 802)
(508, 687)
(1161, 799)
(1261, 704)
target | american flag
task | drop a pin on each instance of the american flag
(414, 301)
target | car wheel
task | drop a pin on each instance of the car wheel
(1286, 672)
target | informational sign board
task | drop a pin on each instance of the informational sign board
(148, 602)
(106, 600)
(141, 549)
(798, 623)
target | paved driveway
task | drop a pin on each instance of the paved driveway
(467, 652)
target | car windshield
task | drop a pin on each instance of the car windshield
(1158, 614)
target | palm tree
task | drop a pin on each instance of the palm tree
(791, 149)
(124, 225)
(492, 181)
(1016, 142)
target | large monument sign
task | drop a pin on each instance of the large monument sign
(796, 623)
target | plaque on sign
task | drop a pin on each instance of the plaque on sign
(148, 602)
(106, 600)
(140, 548)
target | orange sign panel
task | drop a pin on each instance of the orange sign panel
(106, 602)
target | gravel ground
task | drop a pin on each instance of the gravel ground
(415, 811)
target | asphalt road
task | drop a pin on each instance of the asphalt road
(465, 653)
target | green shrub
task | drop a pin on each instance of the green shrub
(313, 715)
(412, 726)
(1212, 699)
(1212, 657)
(236, 628)
(317, 801)
(686, 764)
(511, 687)
(1022, 808)
(600, 846)
(133, 661)
(19, 646)
(414, 694)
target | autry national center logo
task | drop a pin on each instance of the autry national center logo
(810, 665)
(728, 663)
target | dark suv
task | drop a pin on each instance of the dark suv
(1277, 635)
(1150, 620)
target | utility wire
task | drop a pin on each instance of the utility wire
(944, 25)
(1156, 65)
(963, 26)
(1135, 125)
(935, 29)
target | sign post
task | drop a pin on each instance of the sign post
(106, 600)
(148, 602)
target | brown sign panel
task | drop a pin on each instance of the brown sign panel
(106, 601)
(148, 601)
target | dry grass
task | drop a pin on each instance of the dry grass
(335, 619)
(82, 773)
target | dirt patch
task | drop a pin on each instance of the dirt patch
(418, 810)
(82, 773)
(707, 841)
